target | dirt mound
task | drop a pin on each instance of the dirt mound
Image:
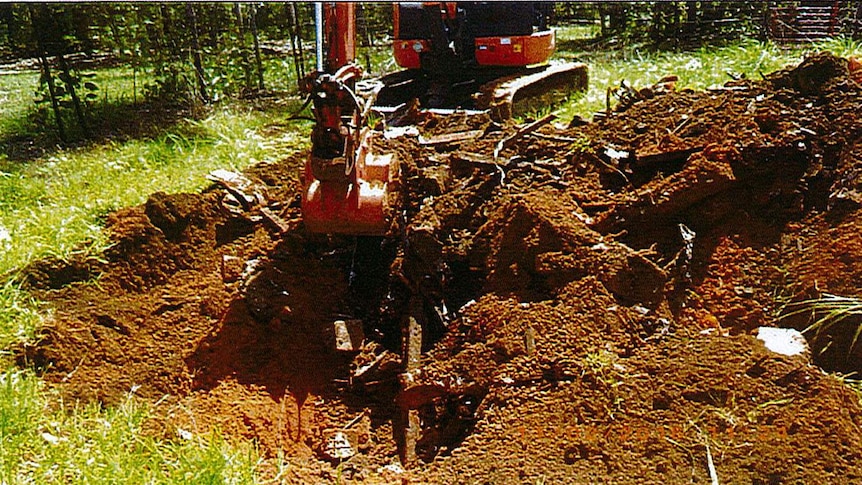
(588, 293)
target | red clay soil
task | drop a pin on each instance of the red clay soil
(590, 300)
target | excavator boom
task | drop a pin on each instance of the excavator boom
(345, 184)
(486, 56)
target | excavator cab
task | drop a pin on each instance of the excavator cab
(477, 56)
(431, 35)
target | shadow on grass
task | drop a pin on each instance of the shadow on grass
(36, 135)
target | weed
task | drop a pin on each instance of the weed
(827, 312)
(602, 368)
(854, 384)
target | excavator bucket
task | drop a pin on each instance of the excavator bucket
(357, 206)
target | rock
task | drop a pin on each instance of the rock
(348, 335)
(784, 341)
(338, 447)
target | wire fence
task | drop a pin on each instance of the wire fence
(672, 24)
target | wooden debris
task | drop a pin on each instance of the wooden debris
(280, 225)
(348, 335)
(463, 160)
(524, 130)
(530, 340)
(411, 353)
(367, 367)
(647, 158)
(448, 138)
(561, 139)
(231, 268)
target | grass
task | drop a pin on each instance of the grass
(89, 444)
(18, 317)
(54, 205)
(827, 312)
(16, 99)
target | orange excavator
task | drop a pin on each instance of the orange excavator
(456, 55)
(484, 56)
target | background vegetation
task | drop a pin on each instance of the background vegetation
(103, 104)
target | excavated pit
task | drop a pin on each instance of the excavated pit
(590, 299)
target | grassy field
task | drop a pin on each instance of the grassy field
(53, 204)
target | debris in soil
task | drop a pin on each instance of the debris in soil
(588, 297)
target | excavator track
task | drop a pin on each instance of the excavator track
(515, 96)
(503, 93)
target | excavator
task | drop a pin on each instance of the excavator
(476, 56)
(485, 56)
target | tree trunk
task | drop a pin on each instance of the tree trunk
(76, 101)
(291, 24)
(38, 19)
(168, 30)
(297, 26)
(364, 16)
(243, 52)
(258, 63)
(192, 18)
(52, 92)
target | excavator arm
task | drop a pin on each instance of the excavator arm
(345, 184)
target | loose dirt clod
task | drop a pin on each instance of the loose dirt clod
(588, 318)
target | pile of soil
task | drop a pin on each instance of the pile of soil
(589, 298)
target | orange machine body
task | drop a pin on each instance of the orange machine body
(357, 204)
(500, 42)
(344, 184)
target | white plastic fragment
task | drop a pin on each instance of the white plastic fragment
(230, 178)
(391, 468)
(393, 132)
(784, 341)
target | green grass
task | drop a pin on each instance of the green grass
(41, 444)
(16, 100)
(18, 317)
(54, 205)
(826, 312)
